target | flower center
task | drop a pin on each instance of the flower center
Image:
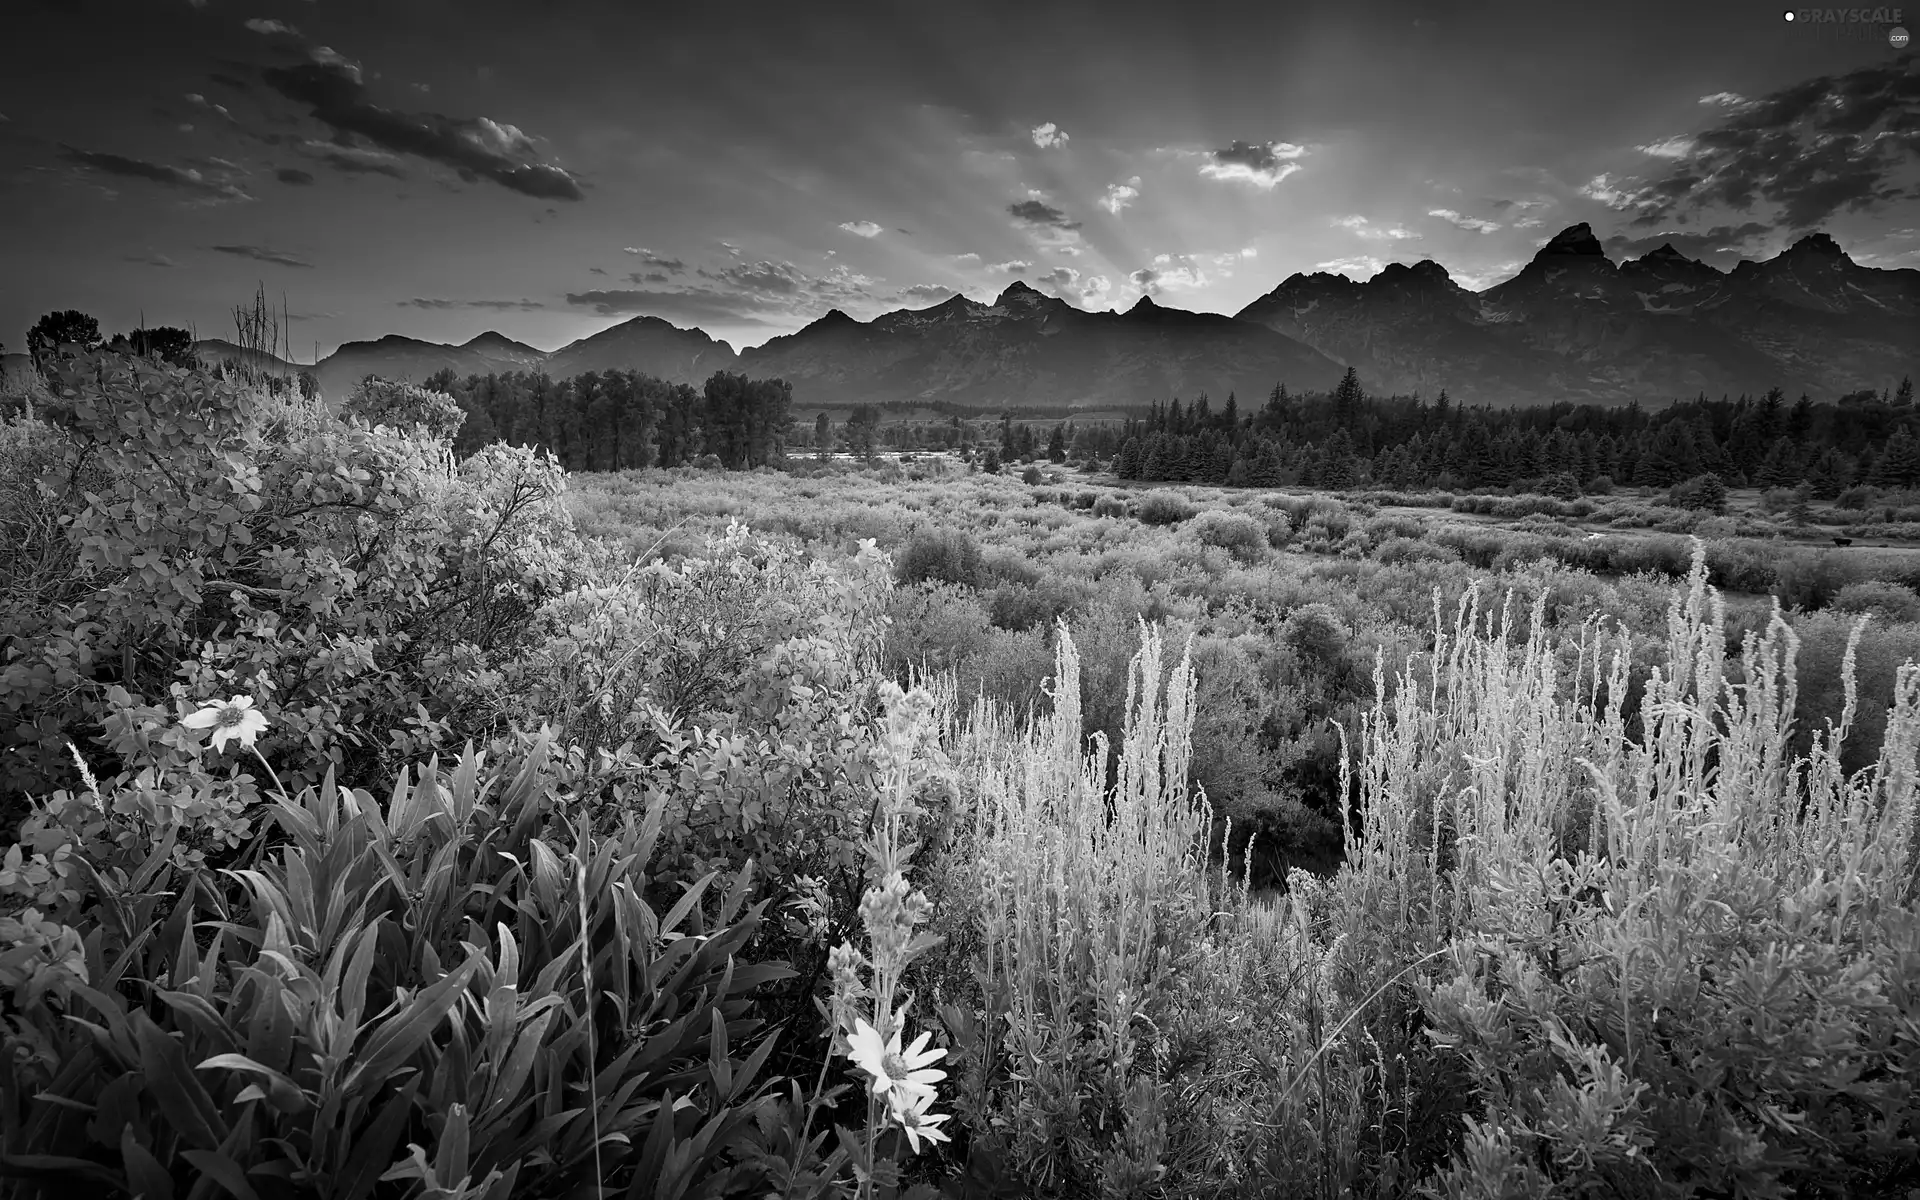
(231, 715)
(894, 1066)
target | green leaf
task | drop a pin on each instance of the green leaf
(397, 1038)
(282, 1093)
(169, 1079)
(145, 1176)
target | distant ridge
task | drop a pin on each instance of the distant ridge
(1572, 325)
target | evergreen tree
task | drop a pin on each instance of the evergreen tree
(1898, 465)
(1057, 445)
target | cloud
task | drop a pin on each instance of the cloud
(1012, 266)
(763, 277)
(230, 81)
(865, 229)
(293, 175)
(1825, 145)
(1673, 147)
(690, 306)
(928, 293)
(1249, 252)
(262, 254)
(1049, 135)
(149, 258)
(494, 305)
(672, 265)
(1261, 164)
(1169, 272)
(272, 28)
(353, 160)
(1357, 266)
(747, 293)
(1476, 224)
(968, 257)
(187, 180)
(1720, 240)
(1119, 195)
(1618, 196)
(1038, 212)
(1361, 227)
(220, 110)
(730, 248)
(477, 147)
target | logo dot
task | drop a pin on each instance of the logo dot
(1789, 15)
(1897, 37)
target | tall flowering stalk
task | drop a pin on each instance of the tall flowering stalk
(868, 1012)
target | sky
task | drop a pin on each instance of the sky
(439, 168)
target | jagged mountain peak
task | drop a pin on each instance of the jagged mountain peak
(1575, 241)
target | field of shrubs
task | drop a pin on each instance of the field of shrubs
(386, 822)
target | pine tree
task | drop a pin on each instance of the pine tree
(1899, 463)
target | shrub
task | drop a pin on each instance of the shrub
(351, 578)
(1110, 506)
(1163, 507)
(948, 555)
(1236, 533)
(1031, 476)
(405, 407)
(1886, 600)
(435, 987)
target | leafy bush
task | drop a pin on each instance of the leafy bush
(1110, 506)
(1236, 533)
(348, 577)
(1163, 507)
(434, 991)
(403, 406)
(1884, 599)
(945, 555)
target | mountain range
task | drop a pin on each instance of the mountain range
(1573, 325)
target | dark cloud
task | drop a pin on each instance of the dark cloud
(262, 254)
(272, 28)
(495, 305)
(685, 307)
(149, 259)
(1035, 212)
(596, 270)
(122, 167)
(293, 175)
(1721, 240)
(928, 293)
(230, 81)
(1263, 164)
(350, 159)
(763, 278)
(331, 89)
(649, 258)
(1826, 145)
(742, 294)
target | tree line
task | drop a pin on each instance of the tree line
(616, 420)
(1346, 438)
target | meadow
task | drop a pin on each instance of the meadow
(402, 824)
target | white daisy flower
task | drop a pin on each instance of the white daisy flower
(891, 1067)
(236, 719)
(910, 1113)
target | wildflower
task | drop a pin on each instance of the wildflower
(235, 719)
(892, 1068)
(910, 1113)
